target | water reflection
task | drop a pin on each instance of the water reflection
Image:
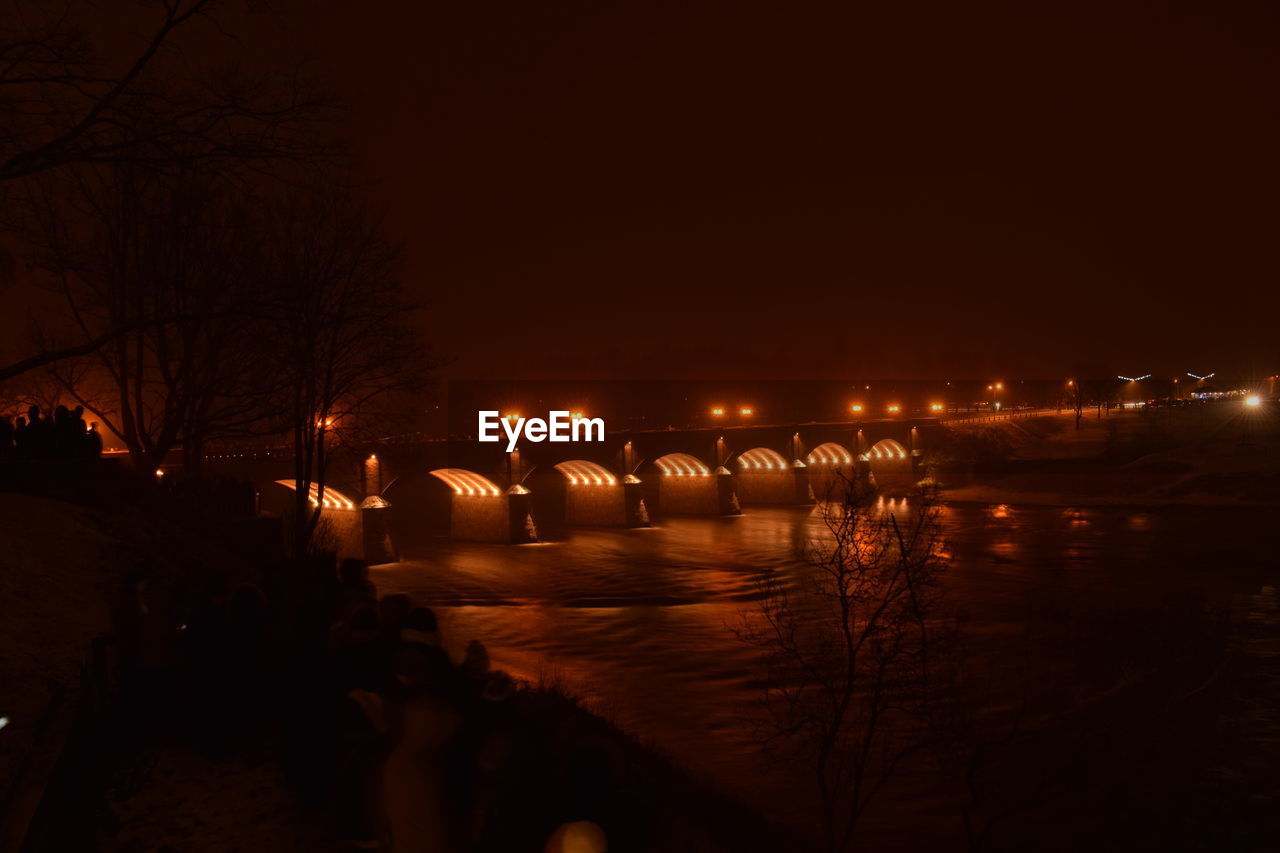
(638, 622)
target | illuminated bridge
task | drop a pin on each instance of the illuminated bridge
(476, 491)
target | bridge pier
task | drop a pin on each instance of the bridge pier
(376, 531)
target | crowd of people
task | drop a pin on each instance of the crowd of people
(62, 435)
(406, 749)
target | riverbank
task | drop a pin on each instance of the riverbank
(134, 723)
(1218, 455)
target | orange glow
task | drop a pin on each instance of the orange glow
(464, 482)
(744, 411)
(575, 415)
(936, 407)
(583, 473)
(894, 409)
(886, 449)
(1070, 382)
(159, 472)
(681, 465)
(762, 457)
(717, 411)
(856, 407)
(999, 386)
(333, 499)
(829, 454)
(512, 416)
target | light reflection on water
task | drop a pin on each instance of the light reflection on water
(638, 622)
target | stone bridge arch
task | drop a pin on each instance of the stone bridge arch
(679, 483)
(765, 476)
(584, 492)
(891, 464)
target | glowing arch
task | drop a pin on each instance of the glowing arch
(333, 499)
(762, 457)
(464, 482)
(885, 449)
(583, 473)
(830, 454)
(681, 465)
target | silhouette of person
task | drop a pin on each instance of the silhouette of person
(93, 441)
(40, 434)
(79, 447)
(21, 437)
(63, 433)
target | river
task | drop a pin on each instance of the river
(638, 623)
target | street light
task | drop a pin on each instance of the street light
(1253, 401)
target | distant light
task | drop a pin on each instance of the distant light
(1253, 400)
(1134, 378)
(999, 386)
(511, 416)
(159, 472)
(744, 411)
(1202, 378)
(575, 415)
(856, 407)
(936, 407)
(1070, 382)
(4, 721)
(894, 408)
(718, 411)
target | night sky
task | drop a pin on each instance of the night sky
(786, 190)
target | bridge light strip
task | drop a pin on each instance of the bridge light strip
(762, 457)
(1202, 378)
(583, 473)
(829, 454)
(1134, 378)
(681, 465)
(333, 499)
(464, 482)
(886, 449)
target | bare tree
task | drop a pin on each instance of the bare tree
(1075, 399)
(66, 112)
(852, 649)
(341, 339)
(61, 104)
(170, 259)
